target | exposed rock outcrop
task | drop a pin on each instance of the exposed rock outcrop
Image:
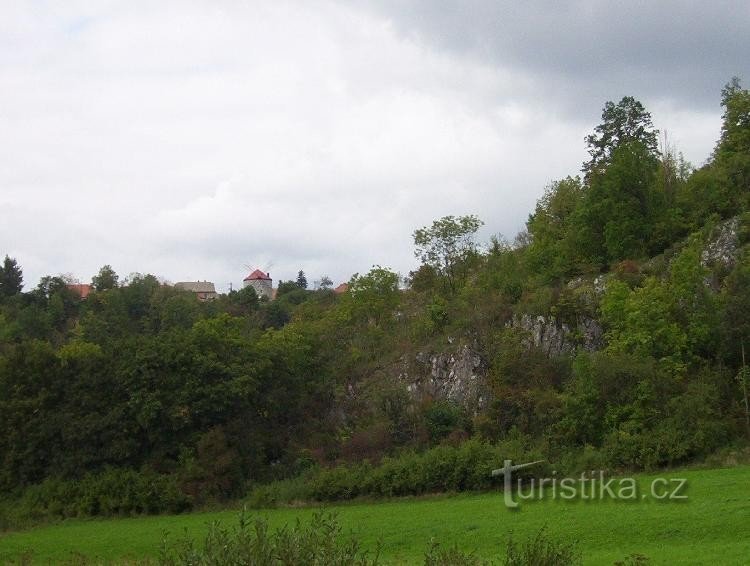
(723, 245)
(454, 376)
(556, 337)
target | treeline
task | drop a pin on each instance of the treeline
(141, 380)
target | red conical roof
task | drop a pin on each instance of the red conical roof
(258, 274)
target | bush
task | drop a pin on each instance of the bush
(250, 543)
(113, 492)
(444, 468)
(321, 542)
(541, 550)
(437, 556)
(280, 492)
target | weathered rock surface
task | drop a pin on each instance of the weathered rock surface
(556, 338)
(455, 376)
(723, 245)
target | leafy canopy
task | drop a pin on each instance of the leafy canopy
(11, 278)
(447, 245)
(624, 122)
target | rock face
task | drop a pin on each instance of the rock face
(453, 376)
(557, 338)
(723, 245)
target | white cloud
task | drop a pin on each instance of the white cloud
(188, 139)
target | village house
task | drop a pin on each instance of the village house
(204, 290)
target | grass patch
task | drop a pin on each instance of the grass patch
(709, 527)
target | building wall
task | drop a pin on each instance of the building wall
(263, 287)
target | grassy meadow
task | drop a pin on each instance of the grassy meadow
(711, 526)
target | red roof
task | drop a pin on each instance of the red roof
(343, 288)
(80, 289)
(258, 274)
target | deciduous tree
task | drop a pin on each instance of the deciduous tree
(447, 246)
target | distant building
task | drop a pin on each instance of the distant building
(204, 290)
(343, 288)
(80, 289)
(261, 282)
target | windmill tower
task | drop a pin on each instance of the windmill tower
(260, 281)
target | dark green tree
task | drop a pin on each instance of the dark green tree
(326, 282)
(622, 123)
(301, 280)
(616, 215)
(550, 252)
(11, 278)
(732, 154)
(105, 279)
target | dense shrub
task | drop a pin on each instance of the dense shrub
(541, 550)
(114, 492)
(444, 468)
(321, 542)
(250, 543)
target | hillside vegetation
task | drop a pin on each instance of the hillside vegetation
(610, 333)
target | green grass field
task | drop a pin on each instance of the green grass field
(711, 527)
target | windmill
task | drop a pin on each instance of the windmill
(262, 284)
(266, 267)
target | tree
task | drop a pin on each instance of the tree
(374, 296)
(301, 280)
(326, 282)
(732, 154)
(550, 251)
(447, 246)
(11, 278)
(106, 279)
(735, 129)
(624, 122)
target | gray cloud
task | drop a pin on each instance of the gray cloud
(592, 50)
(190, 139)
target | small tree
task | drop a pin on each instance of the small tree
(374, 296)
(447, 245)
(105, 279)
(11, 278)
(301, 280)
(326, 282)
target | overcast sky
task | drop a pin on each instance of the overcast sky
(193, 139)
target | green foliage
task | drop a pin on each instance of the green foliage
(443, 468)
(448, 247)
(374, 296)
(672, 320)
(105, 279)
(438, 555)
(616, 215)
(542, 550)
(550, 253)
(732, 154)
(443, 418)
(11, 278)
(301, 280)
(622, 123)
(222, 396)
(639, 413)
(319, 543)
(112, 492)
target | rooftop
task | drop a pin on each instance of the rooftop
(258, 274)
